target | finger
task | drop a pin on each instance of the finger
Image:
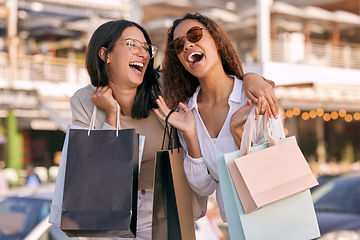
(268, 111)
(183, 107)
(263, 105)
(160, 116)
(162, 106)
(275, 107)
(270, 95)
(97, 90)
(252, 97)
(248, 103)
(101, 90)
(256, 112)
(270, 108)
(260, 106)
(163, 103)
(107, 90)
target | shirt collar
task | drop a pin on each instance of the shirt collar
(193, 99)
(235, 95)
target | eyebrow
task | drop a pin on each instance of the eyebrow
(128, 38)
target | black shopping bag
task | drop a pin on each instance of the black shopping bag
(165, 220)
(165, 217)
(101, 181)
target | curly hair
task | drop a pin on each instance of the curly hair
(106, 36)
(179, 84)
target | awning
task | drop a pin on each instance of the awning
(312, 96)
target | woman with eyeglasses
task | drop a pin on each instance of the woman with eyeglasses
(202, 73)
(120, 63)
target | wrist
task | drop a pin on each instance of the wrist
(111, 119)
(190, 131)
(236, 130)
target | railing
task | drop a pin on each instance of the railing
(37, 68)
(312, 53)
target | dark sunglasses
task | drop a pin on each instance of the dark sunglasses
(193, 35)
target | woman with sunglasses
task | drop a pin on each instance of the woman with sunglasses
(202, 69)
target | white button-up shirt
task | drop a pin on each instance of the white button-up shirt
(202, 172)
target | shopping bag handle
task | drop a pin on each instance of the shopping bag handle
(269, 133)
(169, 133)
(93, 117)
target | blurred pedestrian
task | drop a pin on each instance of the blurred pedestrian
(32, 179)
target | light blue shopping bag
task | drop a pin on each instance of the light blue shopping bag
(290, 218)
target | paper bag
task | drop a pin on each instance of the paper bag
(268, 174)
(291, 218)
(175, 204)
(94, 203)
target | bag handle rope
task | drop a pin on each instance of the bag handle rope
(93, 117)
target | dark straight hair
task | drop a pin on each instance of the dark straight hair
(105, 36)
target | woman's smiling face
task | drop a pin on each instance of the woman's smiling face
(126, 67)
(201, 57)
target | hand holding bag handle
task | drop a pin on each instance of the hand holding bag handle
(252, 132)
(93, 118)
(199, 203)
(168, 132)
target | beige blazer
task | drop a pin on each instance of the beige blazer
(82, 108)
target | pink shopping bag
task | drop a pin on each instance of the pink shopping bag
(268, 174)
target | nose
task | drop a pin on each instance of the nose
(143, 52)
(187, 44)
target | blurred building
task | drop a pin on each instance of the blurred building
(311, 49)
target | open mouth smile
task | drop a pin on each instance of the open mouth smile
(137, 66)
(195, 57)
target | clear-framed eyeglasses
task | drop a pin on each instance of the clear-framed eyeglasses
(135, 47)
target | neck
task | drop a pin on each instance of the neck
(215, 87)
(126, 100)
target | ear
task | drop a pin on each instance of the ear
(101, 53)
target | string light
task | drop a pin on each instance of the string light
(296, 111)
(289, 113)
(357, 116)
(334, 115)
(327, 117)
(313, 114)
(305, 115)
(321, 113)
(348, 117)
(342, 113)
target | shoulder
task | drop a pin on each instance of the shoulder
(86, 91)
(83, 95)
